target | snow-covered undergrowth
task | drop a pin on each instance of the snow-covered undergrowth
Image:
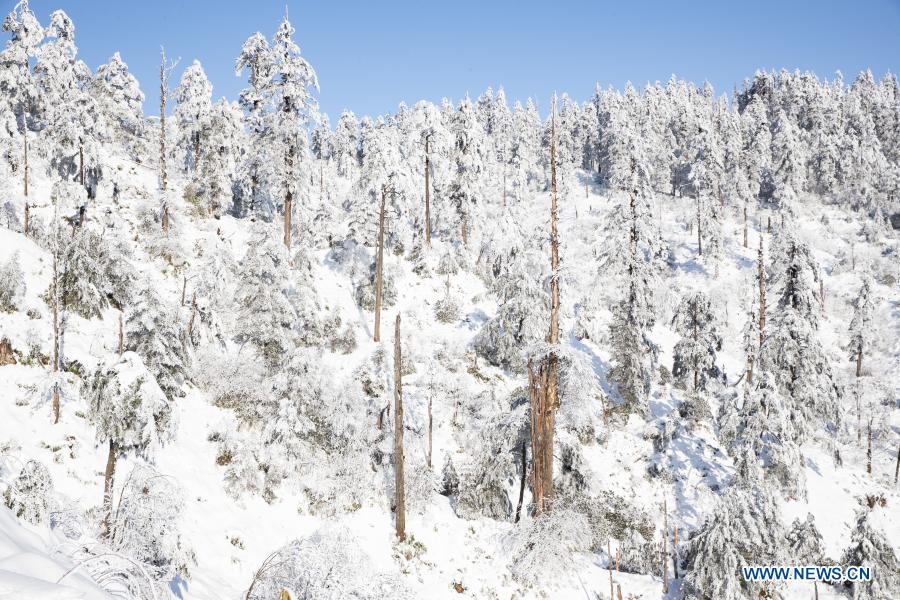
(192, 403)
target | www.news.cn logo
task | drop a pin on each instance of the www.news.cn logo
(807, 573)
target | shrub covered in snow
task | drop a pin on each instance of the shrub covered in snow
(28, 496)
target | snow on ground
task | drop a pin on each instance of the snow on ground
(231, 538)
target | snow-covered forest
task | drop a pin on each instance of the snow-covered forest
(610, 349)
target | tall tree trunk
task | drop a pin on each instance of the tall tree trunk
(522, 480)
(610, 567)
(869, 449)
(665, 549)
(699, 229)
(81, 165)
(675, 552)
(543, 382)
(398, 437)
(427, 190)
(121, 336)
(430, 429)
(25, 170)
(745, 225)
(379, 266)
(27, 217)
(55, 400)
(761, 277)
(190, 327)
(108, 480)
(163, 92)
(859, 357)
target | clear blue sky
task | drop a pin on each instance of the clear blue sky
(372, 55)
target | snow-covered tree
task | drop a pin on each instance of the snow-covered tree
(862, 326)
(30, 494)
(695, 352)
(12, 284)
(744, 530)
(154, 333)
(194, 101)
(119, 96)
(870, 548)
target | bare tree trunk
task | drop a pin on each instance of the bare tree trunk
(822, 292)
(665, 549)
(108, 480)
(121, 336)
(81, 165)
(190, 327)
(522, 480)
(859, 357)
(464, 228)
(379, 265)
(619, 591)
(183, 288)
(610, 567)
(398, 437)
(26, 164)
(745, 225)
(55, 401)
(675, 552)
(543, 383)
(869, 449)
(163, 92)
(761, 277)
(699, 229)
(27, 217)
(427, 190)
(430, 428)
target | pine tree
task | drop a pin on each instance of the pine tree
(744, 530)
(870, 548)
(695, 352)
(862, 326)
(152, 331)
(194, 101)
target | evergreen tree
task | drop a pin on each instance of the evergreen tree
(194, 102)
(153, 332)
(695, 352)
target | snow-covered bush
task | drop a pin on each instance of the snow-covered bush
(543, 548)
(870, 548)
(145, 523)
(12, 284)
(28, 496)
(328, 565)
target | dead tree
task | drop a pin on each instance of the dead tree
(27, 217)
(542, 383)
(428, 137)
(26, 167)
(609, 566)
(665, 549)
(430, 429)
(81, 164)
(675, 552)
(190, 325)
(55, 401)
(165, 71)
(761, 277)
(379, 263)
(398, 437)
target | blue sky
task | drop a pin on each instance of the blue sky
(372, 55)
